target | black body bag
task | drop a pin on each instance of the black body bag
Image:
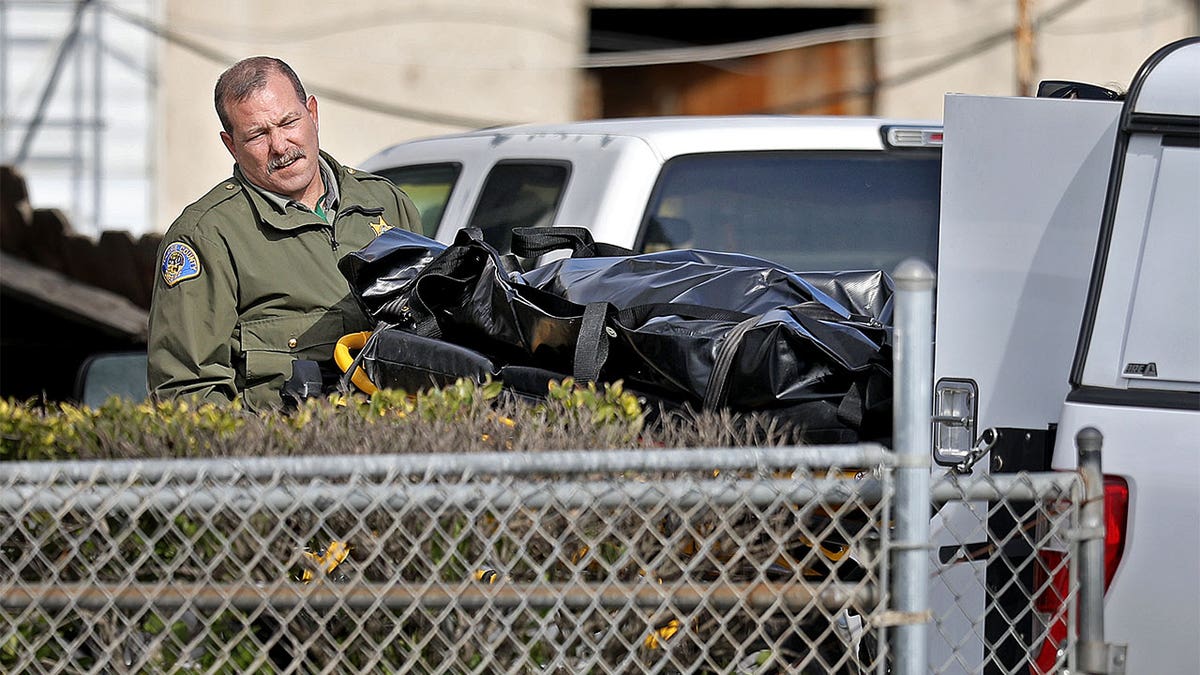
(683, 328)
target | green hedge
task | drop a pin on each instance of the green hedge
(463, 417)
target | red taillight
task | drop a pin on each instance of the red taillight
(1116, 521)
(1051, 580)
(1052, 574)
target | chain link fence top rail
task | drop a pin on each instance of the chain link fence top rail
(746, 560)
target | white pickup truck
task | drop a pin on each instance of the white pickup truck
(1069, 297)
(1066, 237)
(810, 193)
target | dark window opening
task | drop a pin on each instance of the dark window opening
(518, 194)
(833, 78)
(639, 29)
(429, 187)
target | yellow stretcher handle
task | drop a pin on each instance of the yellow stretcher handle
(341, 356)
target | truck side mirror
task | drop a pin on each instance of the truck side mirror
(104, 375)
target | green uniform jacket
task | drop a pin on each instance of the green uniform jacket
(244, 288)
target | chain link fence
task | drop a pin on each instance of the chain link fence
(729, 561)
(1005, 584)
(841, 560)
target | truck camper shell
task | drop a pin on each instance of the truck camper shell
(1136, 372)
(1154, 179)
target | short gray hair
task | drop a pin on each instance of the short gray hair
(246, 77)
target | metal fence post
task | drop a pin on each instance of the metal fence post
(913, 395)
(1091, 651)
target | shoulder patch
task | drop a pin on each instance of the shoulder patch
(179, 262)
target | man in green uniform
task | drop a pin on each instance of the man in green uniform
(248, 280)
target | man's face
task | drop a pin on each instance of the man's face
(273, 139)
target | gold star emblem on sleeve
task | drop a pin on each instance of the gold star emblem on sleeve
(380, 226)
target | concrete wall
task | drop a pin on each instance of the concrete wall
(1098, 41)
(481, 60)
(493, 62)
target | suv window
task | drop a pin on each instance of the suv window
(429, 186)
(806, 211)
(1168, 278)
(518, 194)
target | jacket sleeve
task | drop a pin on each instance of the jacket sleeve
(192, 325)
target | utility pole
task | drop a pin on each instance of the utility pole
(1026, 59)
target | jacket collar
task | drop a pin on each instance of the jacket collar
(281, 213)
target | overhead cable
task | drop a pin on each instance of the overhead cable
(380, 18)
(330, 93)
(1150, 14)
(733, 50)
(654, 57)
(974, 48)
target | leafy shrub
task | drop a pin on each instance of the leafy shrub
(463, 417)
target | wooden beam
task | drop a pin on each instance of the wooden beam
(72, 299)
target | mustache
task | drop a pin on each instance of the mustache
(285, 159)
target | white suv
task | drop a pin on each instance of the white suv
(809, 193)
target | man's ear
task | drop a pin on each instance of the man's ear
(228, 141)
(311, 104)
